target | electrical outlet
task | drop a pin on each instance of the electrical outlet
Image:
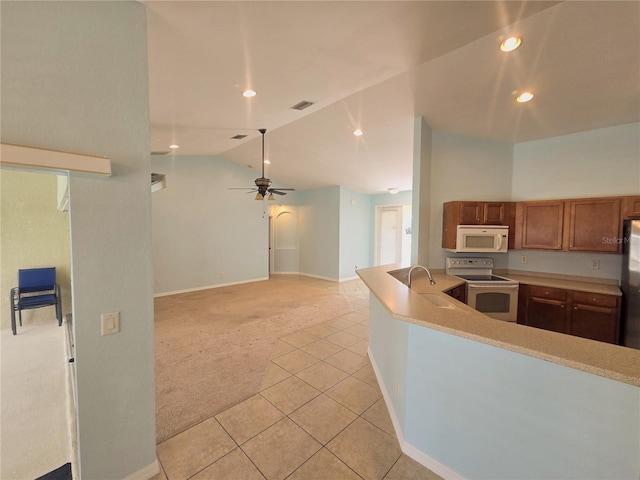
(524, 259)
(595, 264)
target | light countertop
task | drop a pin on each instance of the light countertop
(568, 284)
(411, 305)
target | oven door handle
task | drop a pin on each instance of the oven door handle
(511, 287)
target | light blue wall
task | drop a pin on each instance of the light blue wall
(421, 187)
(319, 227)
(203, 233)
(465, 168)
(74, 78)
(355, 232)
(484, 412)
(587, 164)
(594, 163)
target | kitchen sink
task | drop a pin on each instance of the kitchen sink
(439, 301)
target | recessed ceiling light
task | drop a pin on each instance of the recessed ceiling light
(267, 162)
(510, 44)
(249, 93)
(357, 132)
(524, 97)
(393, 191)
(174, 146)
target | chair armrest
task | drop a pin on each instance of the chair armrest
(15, 293)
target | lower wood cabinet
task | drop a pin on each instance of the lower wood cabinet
(589, 315)
(459, 293)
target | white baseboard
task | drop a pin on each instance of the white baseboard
(145, 473)
(217, 285)
(408, 449)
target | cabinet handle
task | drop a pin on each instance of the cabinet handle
(562, 306)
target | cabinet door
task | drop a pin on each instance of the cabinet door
(539, 225)
(547, 314)
(595, 316)
(493, 213)
(547, 308)
(459, 293)
(593, 225)
(631, 207)
(470, 213)
(596, 323)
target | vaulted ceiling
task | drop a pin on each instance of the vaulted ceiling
(375, 65)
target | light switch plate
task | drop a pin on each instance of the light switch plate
(109, 323)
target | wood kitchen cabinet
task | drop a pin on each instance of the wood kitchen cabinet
(547, 308)
(592, 225)
(595, 316)
(539, 225)
(590, 315)
(570, 225)
(631, 206)
(475, 213)
(459, 293)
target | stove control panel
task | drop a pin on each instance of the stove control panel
(453, 262)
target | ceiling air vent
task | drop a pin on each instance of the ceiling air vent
(302, 105)
(238, 137)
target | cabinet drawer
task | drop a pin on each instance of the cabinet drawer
(595, 299)
(547, 292)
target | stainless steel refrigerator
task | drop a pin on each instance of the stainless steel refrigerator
(630, 284)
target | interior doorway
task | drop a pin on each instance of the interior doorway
(392, 234)
(37, 414)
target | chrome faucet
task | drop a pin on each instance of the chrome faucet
(431, 280)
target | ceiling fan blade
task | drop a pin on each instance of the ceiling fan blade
(241, 188)
(287, 189)
(277, 192)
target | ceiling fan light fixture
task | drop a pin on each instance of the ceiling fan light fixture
(259, 196)
(271, 197)
(509, 44)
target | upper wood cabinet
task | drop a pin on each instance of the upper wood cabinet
(590, 222)
(539, 225)
(631, 206)
(474, 213)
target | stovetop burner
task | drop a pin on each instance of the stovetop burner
(475, 270)
(484, 278)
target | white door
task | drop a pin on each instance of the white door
(388, 235)
(393, 234)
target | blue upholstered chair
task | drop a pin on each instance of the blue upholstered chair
(36, 288)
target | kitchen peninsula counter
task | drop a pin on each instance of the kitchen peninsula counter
(610, 361)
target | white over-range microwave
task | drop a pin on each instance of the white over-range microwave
(482, 239)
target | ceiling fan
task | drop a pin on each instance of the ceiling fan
(263, 184)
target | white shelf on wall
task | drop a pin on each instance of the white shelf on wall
(19, 156)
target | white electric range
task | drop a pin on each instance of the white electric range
(490, 294)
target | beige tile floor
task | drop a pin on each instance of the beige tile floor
(320, 415)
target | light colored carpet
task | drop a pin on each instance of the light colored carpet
(36, 434)
(213, 346)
